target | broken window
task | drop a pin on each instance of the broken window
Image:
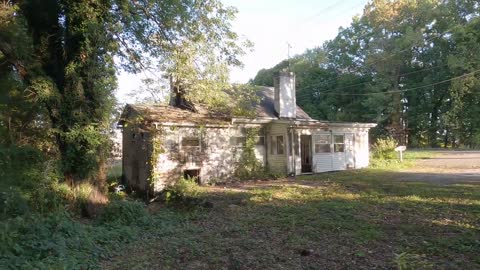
(192, 174)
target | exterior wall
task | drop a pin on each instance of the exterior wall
(277, 163)
(362, 153)
(355, 155)
(216, 157)
(136, 157)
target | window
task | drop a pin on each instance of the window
(339, 143)
(190, 142)
(277, 145)
(241, 141)
(259, 140)
(238, 141)
(322, 144)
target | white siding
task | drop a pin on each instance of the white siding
(277, 163)
(361, 150)
(322, 162)
(350, 150)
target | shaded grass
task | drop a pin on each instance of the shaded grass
(357, 219)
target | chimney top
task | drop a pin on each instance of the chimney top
(285, 100)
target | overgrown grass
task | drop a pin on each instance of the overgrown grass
(346, 220)
(410, 158)
(355, 219)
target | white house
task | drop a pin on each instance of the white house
(163, 143)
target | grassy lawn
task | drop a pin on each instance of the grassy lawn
(347, 220)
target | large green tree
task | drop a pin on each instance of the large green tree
(59, 60)
(408, 65)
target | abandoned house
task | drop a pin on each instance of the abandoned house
(165, 143)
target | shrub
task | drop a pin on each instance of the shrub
(12, 204)
(384, 149)
(56, 241)
(123, 212)
(182, 190)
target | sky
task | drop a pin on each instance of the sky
(271, 25)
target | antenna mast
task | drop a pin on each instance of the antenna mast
(288, 53)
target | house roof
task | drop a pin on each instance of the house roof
(265, 113)
(169, 114)
(266, 108)
(165, 113)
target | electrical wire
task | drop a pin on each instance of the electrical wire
(397, 91)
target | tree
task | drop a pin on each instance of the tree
(408, 65)
(63, 56)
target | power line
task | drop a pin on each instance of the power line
(398, 91)
(362, 83)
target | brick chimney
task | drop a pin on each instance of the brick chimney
(285, 101)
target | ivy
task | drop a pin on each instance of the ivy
(249, 166)
(157, 149)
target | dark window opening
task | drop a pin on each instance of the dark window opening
(238, 141)
(277, 145)
(259, 140)
(192, 174)
(190, 141)
(280, 145)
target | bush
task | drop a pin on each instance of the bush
(182, 190)
(56, 241)
(384, 149)
(12, 204)
(123, 212)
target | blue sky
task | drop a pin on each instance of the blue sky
(270, 25)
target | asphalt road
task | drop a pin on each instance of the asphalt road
(448, 167)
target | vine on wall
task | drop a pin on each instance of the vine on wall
(157, 149)
(249, 166)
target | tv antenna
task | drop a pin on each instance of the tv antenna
(288, 53)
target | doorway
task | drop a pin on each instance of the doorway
(306, 153)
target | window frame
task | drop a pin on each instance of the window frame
(316, 142)
(187, 147)
(274, 146)
(335, 143)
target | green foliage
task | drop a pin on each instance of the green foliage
(409, 261)
(242, 100)
(12, 204)
(183, 190)
(249, 167)
(401, 64)
(384, 148)
(123, 212)
(29, 182)
(61, 94)
(56, 241)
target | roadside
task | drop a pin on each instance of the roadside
(445, 167)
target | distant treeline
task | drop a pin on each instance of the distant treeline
(413, 67)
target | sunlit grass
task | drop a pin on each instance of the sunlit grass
(353, 219)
